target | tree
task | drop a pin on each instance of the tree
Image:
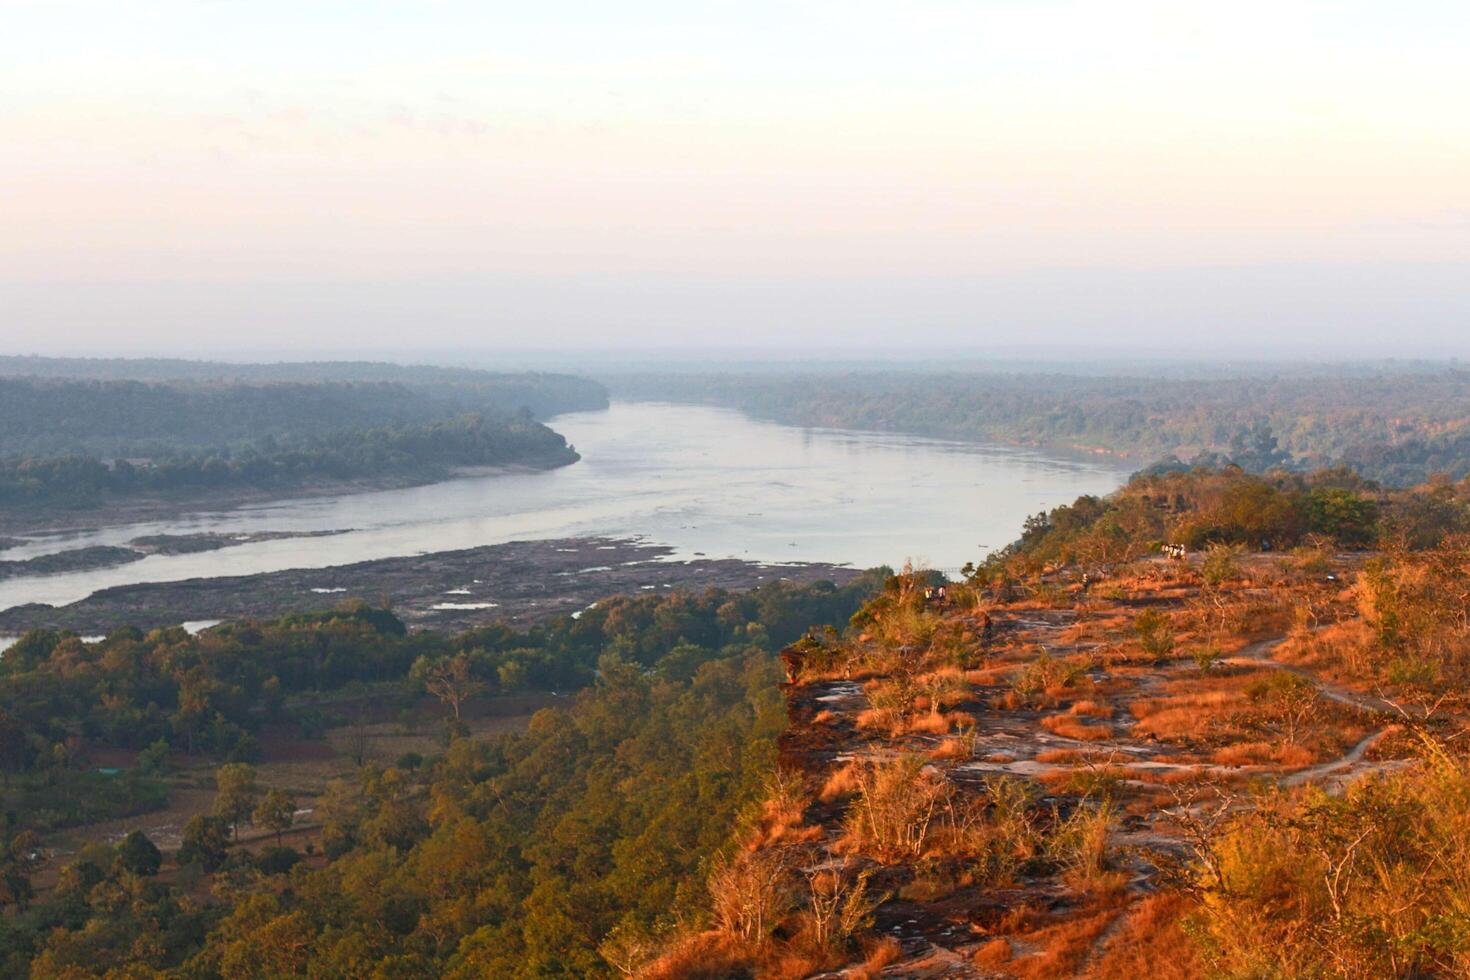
(275, 813)
(449, 679)
(205, 842)
(138, 854)
(16, 752)
(236, 794)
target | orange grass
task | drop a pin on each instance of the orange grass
(1068, 726)
(1150, 943)
(950, 748)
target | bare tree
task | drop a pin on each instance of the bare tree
(449, 679)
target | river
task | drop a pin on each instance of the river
(704, 481)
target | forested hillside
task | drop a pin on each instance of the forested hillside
(416, 453)
(1397, 427)
(509, 855)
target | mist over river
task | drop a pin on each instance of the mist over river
(705, 481)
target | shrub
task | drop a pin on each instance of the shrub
(897, 805)
(1155, 635)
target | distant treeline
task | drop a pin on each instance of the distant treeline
(420, 452)
(518, 388)
(135, 418)
(124, 427)
(1397, 427)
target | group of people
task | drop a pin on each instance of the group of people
(1175, 551)
(934, 594)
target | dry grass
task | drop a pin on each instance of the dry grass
(1092, 709)
(841, 784)
(929, 724)
(1243, 754)
(880, 719)
(1150, 943)
(1294, 756)
(1068, 726)
(880, 953)
(951, 748)
(1188, 714)
(790, 963)
(1064, 947)
(993, 955)
(698, 956)
(825, 717)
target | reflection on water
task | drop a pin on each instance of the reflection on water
(701, 480)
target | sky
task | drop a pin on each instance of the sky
(195, 177)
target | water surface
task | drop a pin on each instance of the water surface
(704, 481)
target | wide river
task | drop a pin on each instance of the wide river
(704, 481)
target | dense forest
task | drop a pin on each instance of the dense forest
(134, 418)
(73, 442)
(516, 855)
(1398, 427)
(416, 452)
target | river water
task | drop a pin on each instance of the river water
(704, 481)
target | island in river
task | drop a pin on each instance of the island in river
(520, 582)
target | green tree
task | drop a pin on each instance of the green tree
(138, 854)
(206, 842)
(236, 793)
(276, 813)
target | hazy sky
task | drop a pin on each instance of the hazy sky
(327, 175)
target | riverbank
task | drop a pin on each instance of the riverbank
(522, 582)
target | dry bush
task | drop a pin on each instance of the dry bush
(1095, 709)
(1079, 846)
(1068, 726)
(782, 811)
(943, 688)
(1047, 676)
(1358, 885)
(825, 717)
(839, 906)
(749, 894)
(897, 804)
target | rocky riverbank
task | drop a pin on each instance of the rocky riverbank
(520, 582)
